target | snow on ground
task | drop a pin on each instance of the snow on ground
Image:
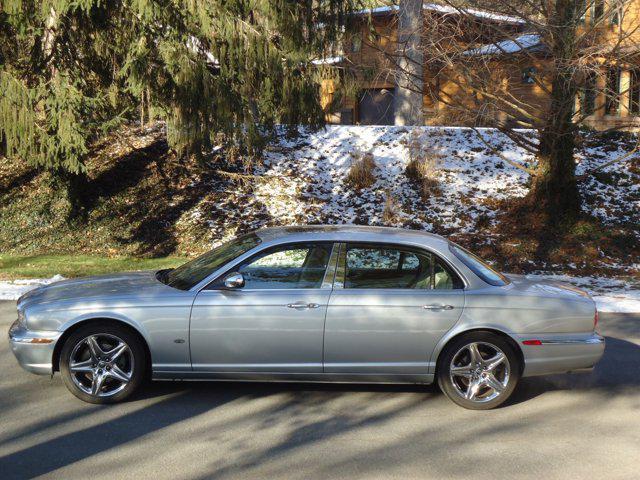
(12, 289)
(610, 294)
(612, 194)
(304, 180)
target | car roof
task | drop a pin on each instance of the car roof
(360, 233)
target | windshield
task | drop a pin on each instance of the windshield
(479, 266)
(191, 273)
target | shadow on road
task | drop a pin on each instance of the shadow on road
(618, 370)
(308, 414)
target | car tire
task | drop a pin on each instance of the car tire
(478, 370)
(103, 363)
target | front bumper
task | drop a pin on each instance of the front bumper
(33, 349)
(561, 353)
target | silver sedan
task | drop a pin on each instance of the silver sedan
(311, 304)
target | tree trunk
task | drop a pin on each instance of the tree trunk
(76, 186)
(554, 189)
(407, 102)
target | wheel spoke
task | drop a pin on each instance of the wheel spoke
(464, 371)
(84, 366)
(475, 353)
(96, 383)
(495, 361)
(94, 348)
(492, 382)
(115, 352)
(117, 373)
(472, 390)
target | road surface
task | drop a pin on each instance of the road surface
(565, 426)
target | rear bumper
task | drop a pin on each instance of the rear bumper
(33, 349)
(561, 353)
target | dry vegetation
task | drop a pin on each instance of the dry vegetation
(362, 172)
(423, 164)
(390, 213)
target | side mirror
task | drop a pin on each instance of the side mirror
(234, 280)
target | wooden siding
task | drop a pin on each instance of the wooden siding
(374, 68)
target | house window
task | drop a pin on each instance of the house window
(528, 75)
(634, 92)
(588, 96)
(612, 92)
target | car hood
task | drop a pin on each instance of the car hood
(545, 287)
(140, 284)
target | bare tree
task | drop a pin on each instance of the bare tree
(575, 57)
(407, 101)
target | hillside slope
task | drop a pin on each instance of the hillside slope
(144, 201)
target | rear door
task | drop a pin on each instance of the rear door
(390, 306)
(275, 323)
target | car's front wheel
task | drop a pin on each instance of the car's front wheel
(102, 363)
(478, 370)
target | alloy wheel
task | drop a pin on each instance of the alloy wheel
(101, 365)
(479, 372)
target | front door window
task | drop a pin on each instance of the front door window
(293, 266)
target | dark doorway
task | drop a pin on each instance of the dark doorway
(375, 107)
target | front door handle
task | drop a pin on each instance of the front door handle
(302, 306)
(438, 307)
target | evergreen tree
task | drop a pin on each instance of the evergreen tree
(72, 70)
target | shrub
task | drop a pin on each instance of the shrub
(422, 167)
(362, 171)
(390, 211)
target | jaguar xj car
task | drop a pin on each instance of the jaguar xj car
(311, 304)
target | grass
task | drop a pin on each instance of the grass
(46, 266)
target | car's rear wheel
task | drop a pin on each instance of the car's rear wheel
(102, 363)
(478, 370)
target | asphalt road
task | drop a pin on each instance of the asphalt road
(565, 426)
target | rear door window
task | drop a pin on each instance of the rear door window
(382, 266)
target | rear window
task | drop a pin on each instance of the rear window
(478, 266)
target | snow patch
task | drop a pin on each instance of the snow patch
(13, 289)
(522, 42)
(610, 294)
(445, 9)
(305, 178)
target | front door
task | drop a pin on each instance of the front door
(389, 308)
(275, 323)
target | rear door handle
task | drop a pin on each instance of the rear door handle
(438, 307)
(302, 306)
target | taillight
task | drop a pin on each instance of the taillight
(595, 319)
